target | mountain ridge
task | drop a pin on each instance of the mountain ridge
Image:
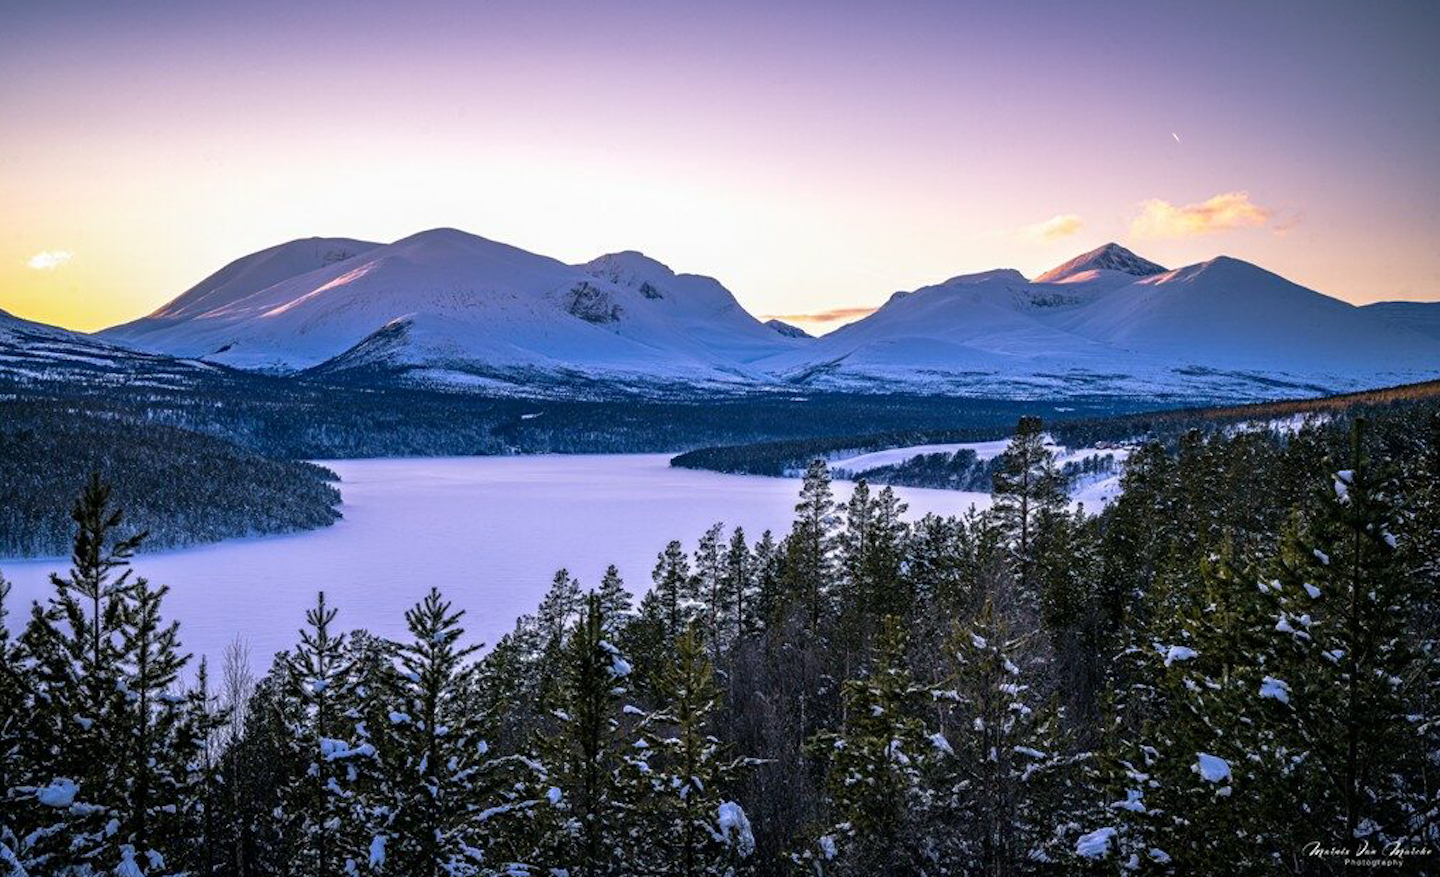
(447, 308)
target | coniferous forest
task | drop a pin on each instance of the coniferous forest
(1232, 669)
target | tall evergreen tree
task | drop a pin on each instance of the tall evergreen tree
(158, 749)
(876, 778)
(769, 579)
(809, 569)
(79, 715)
(671, 602)
(582, 825)
(15, 700)
(435, 764)
(321, 817)
(739, 588)
(615, 601)
(689, 828)
(1029, 494)
(1005, 775)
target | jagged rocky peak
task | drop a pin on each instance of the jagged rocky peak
(1111, 257)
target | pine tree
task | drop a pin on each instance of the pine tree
(877, 794)
(871, 558)
(769, 580)
(581, 813)
(320, 817)
(615, 602)
(690, 828)
(809, 567)
(1029, 496)
(201, 731)
(15, 701)
(510, 680)
(158, 749)
(435, 764)
(739, 618)
(78, 714)
(1347, 603)
(1418, 543)
(709, 565)
(1005, 775)
(673, 603)
(558, 611)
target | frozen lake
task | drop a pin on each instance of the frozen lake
(488, 531)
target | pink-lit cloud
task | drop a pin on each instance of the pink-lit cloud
(1230, 210)
(1061, 225)
(834, 315)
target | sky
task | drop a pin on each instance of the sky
(815, 157)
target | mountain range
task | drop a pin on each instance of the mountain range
(455, 311)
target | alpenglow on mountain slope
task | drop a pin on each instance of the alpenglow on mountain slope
(445, 307)
(450, 309)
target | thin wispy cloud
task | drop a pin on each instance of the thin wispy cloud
(49, 260)
(1284, 226)
(834, 315)
(1061, 225)
(1230, 210)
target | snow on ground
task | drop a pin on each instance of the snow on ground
(893, 456)
(1093, 491)
(488, 531)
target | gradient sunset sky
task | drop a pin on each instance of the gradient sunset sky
(813, 156)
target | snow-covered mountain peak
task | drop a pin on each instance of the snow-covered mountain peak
(250, 274)
(1221, 270)
(631, 268)
(788, 330)
(1002, 275)
(1110, 257)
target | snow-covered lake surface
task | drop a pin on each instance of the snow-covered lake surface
(488, 531)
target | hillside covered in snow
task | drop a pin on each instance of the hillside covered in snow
(448, 309)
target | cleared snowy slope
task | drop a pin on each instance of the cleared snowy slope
(449, 307)
(34, 355)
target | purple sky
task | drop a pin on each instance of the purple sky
(811, 156)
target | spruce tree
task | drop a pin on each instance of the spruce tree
(158, 749)
(77, 726)
(15, 700)
(689, 826)
(1005, 777)
(709, 565)
(435, 764)
(809, 568)
(615, 602)
(1347, 604)
(1029, 496)
(876, 776)
(769, 580)
(581, 822)
(739, 618)
(321, 819)
(673, 603)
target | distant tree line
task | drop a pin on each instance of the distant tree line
(1233, 669)
(179, 486)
